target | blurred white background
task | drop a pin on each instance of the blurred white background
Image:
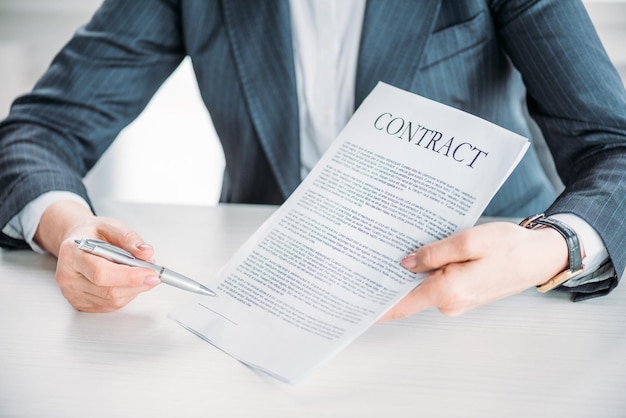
(181, 159)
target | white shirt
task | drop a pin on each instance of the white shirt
(326, 36)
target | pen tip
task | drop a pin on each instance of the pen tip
(206, 291)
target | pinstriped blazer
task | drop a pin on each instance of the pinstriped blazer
(490, 58)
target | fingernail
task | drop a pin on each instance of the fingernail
(151, 281)
(144, 246)
(408, 262)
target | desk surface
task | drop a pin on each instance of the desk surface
(531, 355)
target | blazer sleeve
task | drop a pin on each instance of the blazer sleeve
(577, 98)
(98, 83)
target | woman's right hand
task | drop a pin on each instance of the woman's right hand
(91, 283)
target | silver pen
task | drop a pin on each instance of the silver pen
(118, 255)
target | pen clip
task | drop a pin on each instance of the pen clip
(91, 243)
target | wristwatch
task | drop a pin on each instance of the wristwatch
(574, 252)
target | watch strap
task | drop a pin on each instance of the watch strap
(574, 251)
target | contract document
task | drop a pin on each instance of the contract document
(404, 171)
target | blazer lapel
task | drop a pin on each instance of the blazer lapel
(392, 42)
(260, 34)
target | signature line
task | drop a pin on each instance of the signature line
(217, 313)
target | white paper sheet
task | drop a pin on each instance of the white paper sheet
(405, 171)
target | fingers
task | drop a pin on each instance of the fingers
(463, 246)
(478, 266)
(436, 257)
(104, 299)
(88, 282)
(416, 301)
(119, 234)
(449, 289)
(94, 284)
(103, 273)
(87, 302)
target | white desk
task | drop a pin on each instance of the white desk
(528, 356)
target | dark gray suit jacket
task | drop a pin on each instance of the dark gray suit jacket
(489, 58)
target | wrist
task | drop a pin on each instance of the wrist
(572, 264)
(57, 222)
